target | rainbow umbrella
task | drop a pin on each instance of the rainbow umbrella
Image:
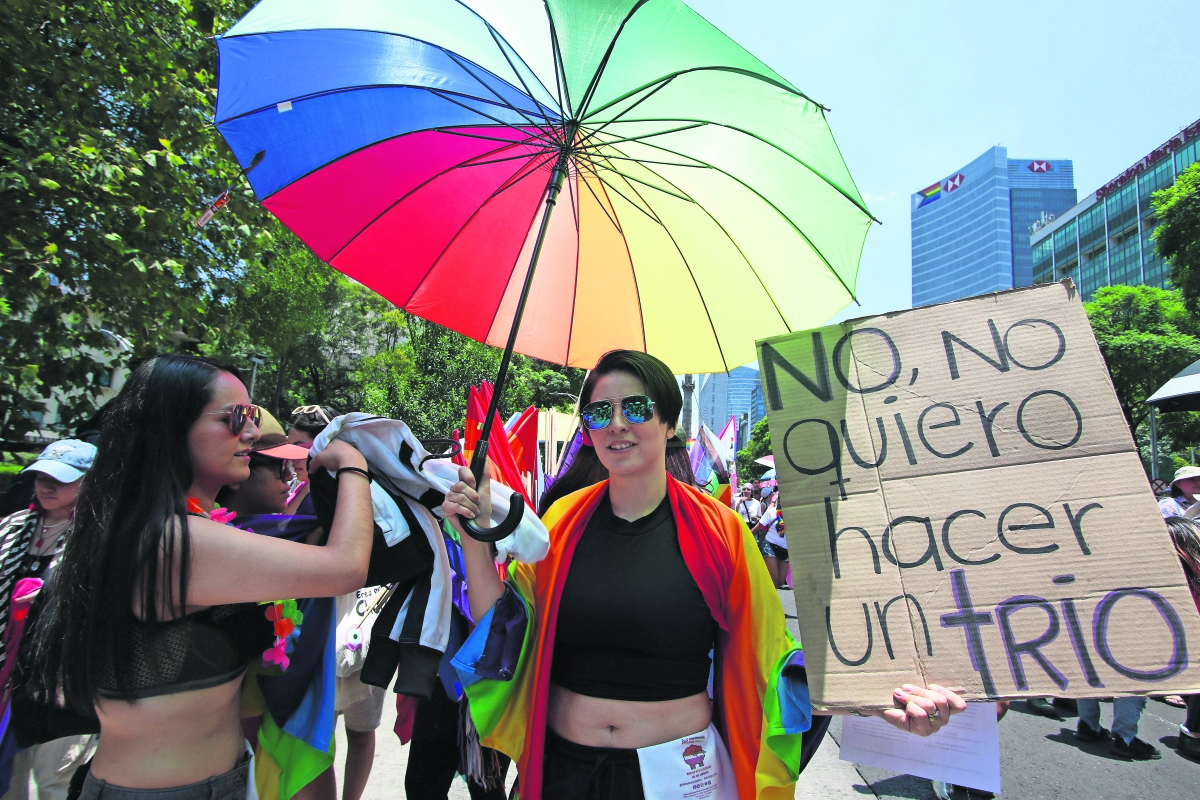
(420, 146)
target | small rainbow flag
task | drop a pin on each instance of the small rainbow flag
(929, 194)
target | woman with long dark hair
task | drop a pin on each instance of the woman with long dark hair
(648, 584)
(154, 611)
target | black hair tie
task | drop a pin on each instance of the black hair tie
(359, 470)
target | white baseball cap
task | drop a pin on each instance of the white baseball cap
(65, 460)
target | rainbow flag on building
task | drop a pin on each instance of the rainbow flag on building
(930, 194)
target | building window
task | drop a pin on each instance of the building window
(1093, 274)
(1160, 175)
(1091, 227)
(1187, 155)
(1043, 261)
(1122, 209)
(1066, 243)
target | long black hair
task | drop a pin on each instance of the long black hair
(661, 387)
(132, 508)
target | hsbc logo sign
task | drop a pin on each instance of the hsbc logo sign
(953, 183)
(1041, 166)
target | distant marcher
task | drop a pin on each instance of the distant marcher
(747, 506)
(29, 544)
(1182, 500)
(773, 545)
(1186, 537)
(307, 424)
(271, 470)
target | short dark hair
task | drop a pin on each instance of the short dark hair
(656, 376)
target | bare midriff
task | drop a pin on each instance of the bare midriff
(171, 740)
(625, 724)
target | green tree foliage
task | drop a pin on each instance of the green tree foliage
(425, 380)
(1146, 336)
(758, 446)
(106, 159)
(1177, 237)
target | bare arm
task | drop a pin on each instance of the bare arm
(483, 582)
(233, 566)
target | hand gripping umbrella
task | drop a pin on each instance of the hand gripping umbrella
(421, 146)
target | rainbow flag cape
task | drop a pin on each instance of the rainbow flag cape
(758, 714)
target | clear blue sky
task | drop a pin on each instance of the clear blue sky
(918, 89)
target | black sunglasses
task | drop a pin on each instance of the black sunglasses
(238, 415)
(279, 467)
(637, 408)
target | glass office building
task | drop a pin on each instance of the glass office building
(970, 231)
(1108, 238)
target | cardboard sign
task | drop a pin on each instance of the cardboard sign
(965, 507)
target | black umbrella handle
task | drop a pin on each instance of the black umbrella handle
(516, 508)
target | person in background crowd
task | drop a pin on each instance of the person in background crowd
(307, 423)
(773, 545)
(1127, 712)
(747, 506)
(271, 459)
(154, 612)
(1185, 535)
(599, 677)
(29, 543)
(1182, 500)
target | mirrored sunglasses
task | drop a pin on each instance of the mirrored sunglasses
(636, 408)
(239, 414)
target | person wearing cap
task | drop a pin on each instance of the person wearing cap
(271, 459)
(29, 542)
(1182, 500)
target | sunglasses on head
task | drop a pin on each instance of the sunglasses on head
(636, 408)
(311, 410)
(238, 416)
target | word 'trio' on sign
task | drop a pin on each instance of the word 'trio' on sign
(966, 507)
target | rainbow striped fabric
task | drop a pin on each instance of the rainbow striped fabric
(753, 646)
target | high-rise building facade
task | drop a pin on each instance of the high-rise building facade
(1108, 238)
(731, 394)
(969, 230)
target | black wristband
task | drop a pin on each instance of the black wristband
(358, 470)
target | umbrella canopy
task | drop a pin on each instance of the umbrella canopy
(409, 143)
(1181, 393)
(766, 461)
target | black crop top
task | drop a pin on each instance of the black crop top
(198, 651)
(632, 623)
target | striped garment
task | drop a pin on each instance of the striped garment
(762, 730)
(16, 534)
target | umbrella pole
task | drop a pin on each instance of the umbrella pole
(479, 457)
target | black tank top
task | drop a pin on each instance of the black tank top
(632, 623)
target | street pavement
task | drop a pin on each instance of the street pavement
(1040, 759)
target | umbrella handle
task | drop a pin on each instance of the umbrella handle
(516, 508)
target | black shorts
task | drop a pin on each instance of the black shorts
(577, 772)
(773, 550)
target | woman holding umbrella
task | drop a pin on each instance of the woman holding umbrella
(645, 578)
